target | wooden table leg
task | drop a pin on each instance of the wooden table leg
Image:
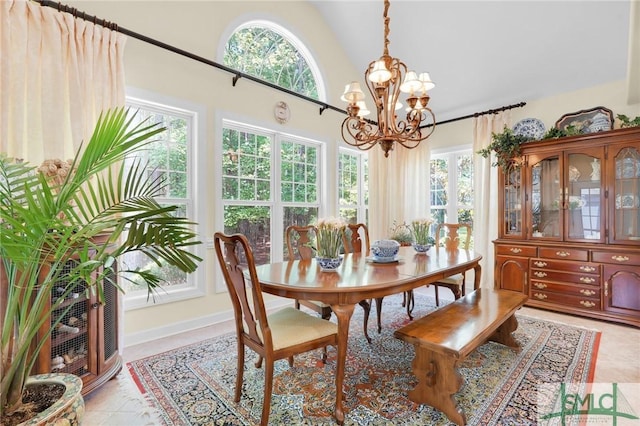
(438, 381)
(477, 274)
(343, 313)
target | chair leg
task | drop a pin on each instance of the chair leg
(268, 385)
(437, 296)
(379, 313)
(411, 302)
(367, 309)
(258, 363)
(324, 355)
(404, 299)
(240, 371)
(290, 361)
(297, 304)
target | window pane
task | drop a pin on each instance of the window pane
(465, 180)
(439, 182)
(255, 223)
(268, 55)
(165, 159)
(249, 156)
(300, 216)
(299, 167)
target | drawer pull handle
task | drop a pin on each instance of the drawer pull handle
(539, 285)
(587, 280)
(540, 264)
(515, 250)
(540, 296)
(563, 253)
(620, 258)
(587, 303)
(587, 292)
(540, 274)
(587, 268)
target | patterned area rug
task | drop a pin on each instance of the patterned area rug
(194, 385)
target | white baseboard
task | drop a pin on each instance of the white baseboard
(192, 324)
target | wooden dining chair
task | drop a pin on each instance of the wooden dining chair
(279, 335)
(355, 239)
(297, 239)
(450, 235)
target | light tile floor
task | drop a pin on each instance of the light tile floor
(119, 403)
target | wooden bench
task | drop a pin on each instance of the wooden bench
(445, 337)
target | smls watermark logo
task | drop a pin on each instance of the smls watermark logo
(570, 404)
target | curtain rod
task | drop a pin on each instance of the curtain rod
(237, 75)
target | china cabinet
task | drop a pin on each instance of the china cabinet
(569, 234)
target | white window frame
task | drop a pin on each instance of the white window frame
(362, 206)
(451, 155)
(195, 114)
(275, 203)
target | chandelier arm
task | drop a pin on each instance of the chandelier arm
(359, 133)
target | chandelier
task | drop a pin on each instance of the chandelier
(385, 79)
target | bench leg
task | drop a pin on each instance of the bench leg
(438, 381)
(503, 333)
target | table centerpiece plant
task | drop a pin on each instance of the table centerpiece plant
(49, 220)
(421, 233)
(329, 242)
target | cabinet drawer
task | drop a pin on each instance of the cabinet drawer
(590, 303)
(516, 250)
(564, 265)
(566, 277)
(573, 290)
(617, 257)
(564, 253)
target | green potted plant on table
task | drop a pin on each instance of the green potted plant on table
(51, 222)
(401, 233)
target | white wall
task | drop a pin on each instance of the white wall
(199, 27)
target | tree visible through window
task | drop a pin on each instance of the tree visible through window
(166, 158)
(352, 186)
(452, 187)
(269, 180)
(267, 54)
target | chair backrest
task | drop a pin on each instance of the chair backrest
(353, 236)
(451, 235)
(248, 305)
(298, 239)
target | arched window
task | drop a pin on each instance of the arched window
(271, 53)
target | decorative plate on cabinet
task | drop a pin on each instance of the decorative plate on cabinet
(627, 201)
(627, 168)
(530, 127)
(592, 120)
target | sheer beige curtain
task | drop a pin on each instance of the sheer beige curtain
(485, 223)
(398, 187)
(57, 74)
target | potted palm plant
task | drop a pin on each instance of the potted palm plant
(50, 222)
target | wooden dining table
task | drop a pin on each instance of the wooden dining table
(359, 278)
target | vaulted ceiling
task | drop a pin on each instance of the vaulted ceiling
(486, 54)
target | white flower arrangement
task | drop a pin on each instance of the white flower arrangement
(421, 231)
(329, 237)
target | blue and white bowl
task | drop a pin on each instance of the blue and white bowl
(385, 250)
(421, 248)
(329, 264)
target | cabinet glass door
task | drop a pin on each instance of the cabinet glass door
(546, 197)
(512, 199)
(584, 198)
(626, 197)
